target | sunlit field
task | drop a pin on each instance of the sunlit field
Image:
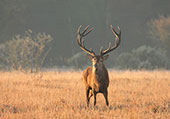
(61, 95)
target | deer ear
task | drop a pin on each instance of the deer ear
(90, 57)
(105, 57)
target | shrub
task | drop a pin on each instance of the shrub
(144, 57)
(26, 51)
(78, 61)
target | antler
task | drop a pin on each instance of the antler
(117, 41)
(80, 41)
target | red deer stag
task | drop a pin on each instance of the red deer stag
(96, 77)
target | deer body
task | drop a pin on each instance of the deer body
(96, 78)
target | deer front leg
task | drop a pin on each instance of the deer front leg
(106, 97)
(94, 93)
(90, 94)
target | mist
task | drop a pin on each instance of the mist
(61, 19)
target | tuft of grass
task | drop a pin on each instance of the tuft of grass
(61, 95)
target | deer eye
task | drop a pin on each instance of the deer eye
(94, 58)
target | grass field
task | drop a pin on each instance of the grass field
(61, 95)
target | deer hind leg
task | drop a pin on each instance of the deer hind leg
(94, 93)
(87, 95)
(106, 97)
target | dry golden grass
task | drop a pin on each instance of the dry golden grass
(61, 95)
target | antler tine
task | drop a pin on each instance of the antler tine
(80, 41)
(117, 41)
(101, 50)
(88, 31)
(114, 32)
(78, 31)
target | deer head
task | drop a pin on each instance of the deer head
(97, 60)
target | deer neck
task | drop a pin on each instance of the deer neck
(98, 70)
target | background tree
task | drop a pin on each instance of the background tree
(160, 30)
(12, 15)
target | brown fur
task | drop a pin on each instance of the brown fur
(96, 79)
